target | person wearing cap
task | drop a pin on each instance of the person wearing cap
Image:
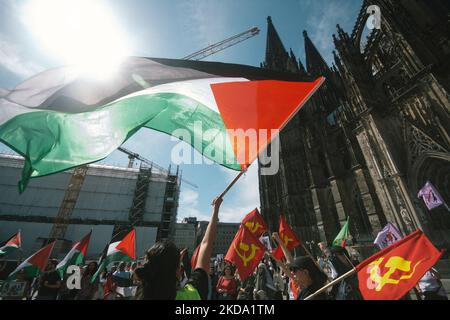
(308, 277)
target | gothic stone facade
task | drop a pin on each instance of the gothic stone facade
(373, 134)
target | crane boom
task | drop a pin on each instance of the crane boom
(219, 46)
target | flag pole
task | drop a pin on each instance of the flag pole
(332, 283)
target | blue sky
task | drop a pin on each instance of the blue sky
(174, 29)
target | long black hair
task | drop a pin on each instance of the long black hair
(159, 273)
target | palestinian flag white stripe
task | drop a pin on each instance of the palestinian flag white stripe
(112, 248)
(197, 90)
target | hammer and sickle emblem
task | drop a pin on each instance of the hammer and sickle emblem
(252, 226)
(286, 240)
(245, 248)
(393, 264)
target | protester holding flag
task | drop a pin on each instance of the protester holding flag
(308, 277)
(304, 272)
(49, 283)
(162, 268)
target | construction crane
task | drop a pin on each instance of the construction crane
(73, 190)
(222, 45)
(132, 156)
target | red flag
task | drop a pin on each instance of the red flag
(392, 272)
(255, 223)
(245, 252)
(288, 237)
(195, 257)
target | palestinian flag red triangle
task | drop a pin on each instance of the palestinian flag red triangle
(127, 245)
(35, 264)
(12, 244)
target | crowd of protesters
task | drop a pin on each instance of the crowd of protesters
(166, 275)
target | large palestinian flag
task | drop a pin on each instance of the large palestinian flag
(12, 244)
(35, 264)
(75, 256)
(121, 248)
(59, 120)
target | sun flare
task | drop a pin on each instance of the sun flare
(83, 33)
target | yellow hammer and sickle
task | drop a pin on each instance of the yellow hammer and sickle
(245, 248)
(286, 240)
(253, 227)
(394, 264)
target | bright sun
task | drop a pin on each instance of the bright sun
(83, 33)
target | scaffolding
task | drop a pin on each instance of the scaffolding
(68, 204)
(168, 217)
(136, 216)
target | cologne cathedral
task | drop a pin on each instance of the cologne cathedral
(375, 132)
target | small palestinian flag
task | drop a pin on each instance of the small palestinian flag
(73, 120)
(35, 264)
(121, 248)
(342, 237)
(75, 256)
(12, 244)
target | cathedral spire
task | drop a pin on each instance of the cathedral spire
(292, 62)
(315, 64)
(301, 67)
(276, 55)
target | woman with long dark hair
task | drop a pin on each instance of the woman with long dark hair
(227, 285)
(161, 272)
